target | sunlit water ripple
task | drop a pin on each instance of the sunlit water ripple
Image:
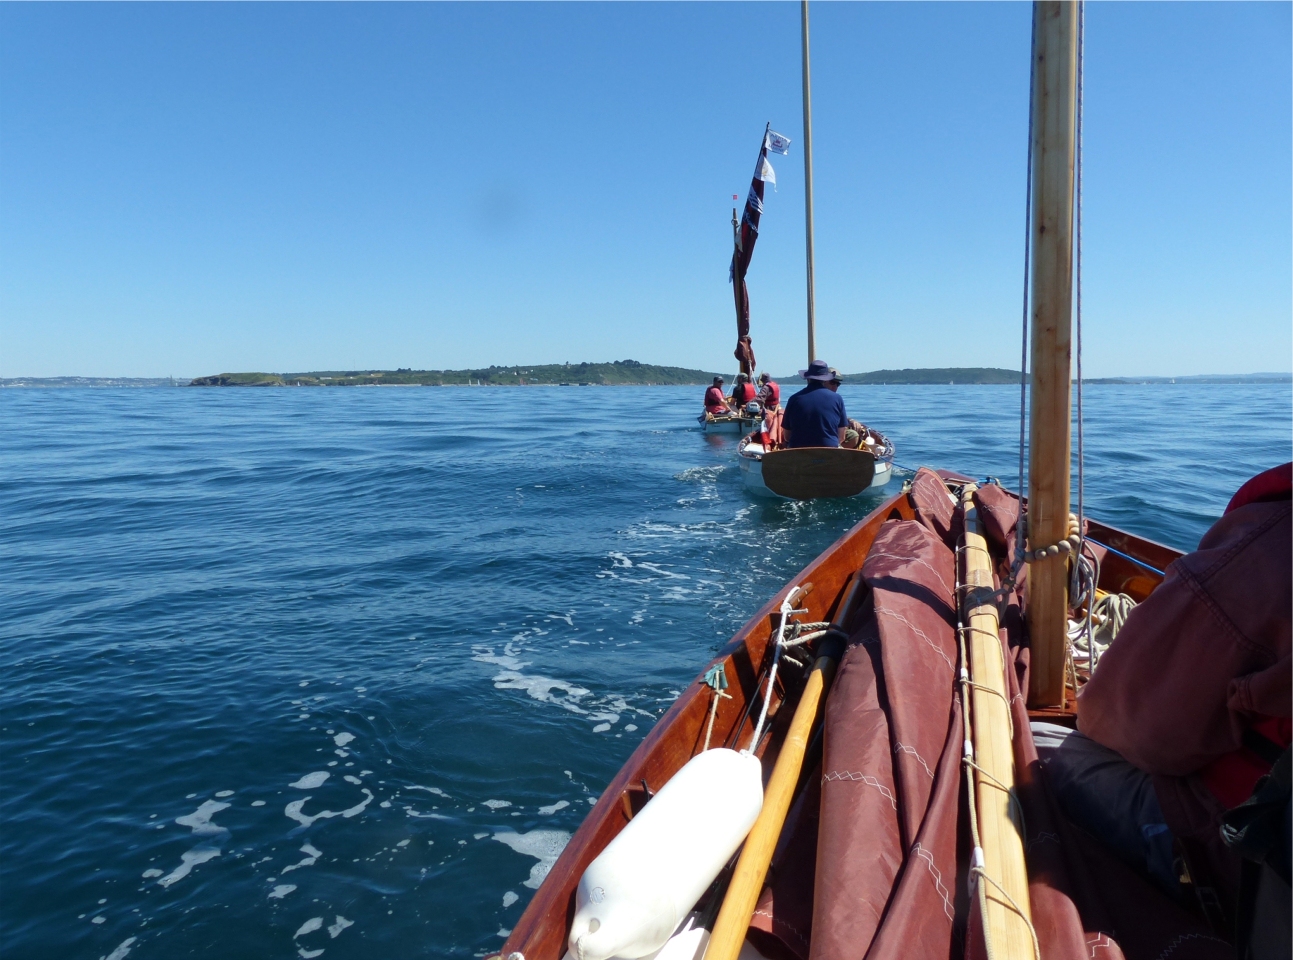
(337, 672)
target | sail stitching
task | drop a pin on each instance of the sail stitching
(920, 633)
(925, 855)
(890, 556)
(858, 777)
(912, 750)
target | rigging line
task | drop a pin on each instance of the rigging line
(1081, 91)
(1023, 357)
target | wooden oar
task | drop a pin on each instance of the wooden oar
(752, 868)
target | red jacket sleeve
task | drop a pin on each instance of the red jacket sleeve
(1206, 654)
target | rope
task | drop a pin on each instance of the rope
(1081, 459)
(787, 609)
(1023, 350)
(716, 679)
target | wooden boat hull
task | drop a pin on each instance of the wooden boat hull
(831, 480)
(737, 426)
(541, 932)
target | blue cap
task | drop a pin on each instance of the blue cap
(817, 370)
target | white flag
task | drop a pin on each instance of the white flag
(778, 144)
(766, 173)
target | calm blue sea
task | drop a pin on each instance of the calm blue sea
(337, 672)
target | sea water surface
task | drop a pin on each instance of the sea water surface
(327, 672)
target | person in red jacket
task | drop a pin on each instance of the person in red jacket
(742, 392)
(1192, 701)
(715, 402)
(769, 392)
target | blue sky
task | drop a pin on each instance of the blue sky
(191, 188)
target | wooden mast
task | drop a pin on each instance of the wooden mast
(1054, 84)
(808, 186)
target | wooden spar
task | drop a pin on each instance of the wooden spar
(752, 867)
(1054, 80)
(808, 188)
(1006, 926)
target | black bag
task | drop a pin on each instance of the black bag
(1260, 831)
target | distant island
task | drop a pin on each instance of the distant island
(618, 373)
(931, 375)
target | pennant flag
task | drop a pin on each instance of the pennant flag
(778, 144)
(747, 234)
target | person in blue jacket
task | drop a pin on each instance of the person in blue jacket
(815, 415)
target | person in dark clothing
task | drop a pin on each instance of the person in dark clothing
(815, 415)
(742, 392)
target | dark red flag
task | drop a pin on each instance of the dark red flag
(745, 239)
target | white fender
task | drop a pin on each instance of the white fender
(639, 889)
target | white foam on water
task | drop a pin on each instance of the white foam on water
(630, 727)
(311, 857)
(351, 779)
(282, 890)
(436, 790)
(402, 843)
(258, 803)
(479, 836)
(601, 728)
(293, 810)
(314, 923)
(498, 804)
(620, 560)
(151, 872)
(538, 687)
(550, 810)
(200, 819)
(309, 954)
(99, 920)
(544, 845)
(334, 929)
(509, 898)
(504, 932)
(225, 793)
(343, 738)
(342, 753)
(188, 861)
(123, 948)
(421, 816)
(311, 780)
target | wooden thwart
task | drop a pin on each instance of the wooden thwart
(807, 473)
(1006, 924)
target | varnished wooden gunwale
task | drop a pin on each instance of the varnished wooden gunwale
(541, 932)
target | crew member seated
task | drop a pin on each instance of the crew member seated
(715, 402)
(815, 415)
(743, 392)
(769, 392)
(1187, 713)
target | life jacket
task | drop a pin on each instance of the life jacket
(714, 401)
(743, 393)
(771, 394)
